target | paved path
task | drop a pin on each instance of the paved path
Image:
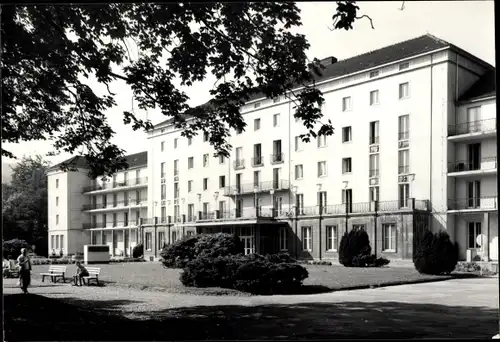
(458, 292)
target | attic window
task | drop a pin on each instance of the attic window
(403, 66)
(256, 105)
(374, 73)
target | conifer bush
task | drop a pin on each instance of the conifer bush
(435, 254)
(355, 250)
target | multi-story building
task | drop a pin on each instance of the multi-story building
(411, 149)
(105, 210)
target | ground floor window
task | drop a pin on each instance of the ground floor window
(474, 230)
(149, 241)
(307, 238)
(389, 237)
(283, 239)
(103, 238)
(190, 233)
(227, 230)
(331, 238)
(174, 236)
(52, 241)
(358, 227)
(247, 238)
(161, 240)
(94, 238)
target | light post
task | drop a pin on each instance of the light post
(129, 226)
(272, 202)
(320, 198)
(346, 184)
(255, 190)
(155, 203)
(216, 195)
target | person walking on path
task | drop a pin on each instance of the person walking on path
(24, 264)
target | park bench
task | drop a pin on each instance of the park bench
(54, 273)
(93, 275)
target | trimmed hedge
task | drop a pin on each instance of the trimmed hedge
(355, 250)
(178, 254)
(435, 254)
(253, 273)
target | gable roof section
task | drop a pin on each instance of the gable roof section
(484, 87)
(133, 160)
(388, 54)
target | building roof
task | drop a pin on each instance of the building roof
(79, 162)
(388, 54)
(484, 87)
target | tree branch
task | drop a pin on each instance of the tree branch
(367, 16)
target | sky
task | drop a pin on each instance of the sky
(467, 24)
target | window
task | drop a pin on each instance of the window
(190, 212)
(221, 159)
(163, 191)
(104, 201)
(205, 183)
(403, 162)
(321, 168)
(257, 155)
(206, 207)
(404, 90)
(374, 193)
(52, 241)
(473, 231)
(174, 236)
(205, 160)
(161, 240)
(162, 146)
(115, 200)
(176, 190)
(222, 181)
(256, 178)
(190, 141)
(347, 199)
(299, 171)
(176, 213)
(57, 219)
(163, 214)
(205, 136)
(298, 143)
(115, 220)
(138, 196)
(322, 141)
(404, 194)
(149, 241)
(299, 202)
(162, 170)
(276, 120)
(190, 185)
(104, 220)
(283, 239)
(358, 227)
(346, 103)
(57, 201)
(346, 165)
(322, 199)
(374, 73)
(374, 126)
(256, 124)
(389, 233)
(256, 105)
(57, 183)
(404, 127)
(125, 219)
(176, 167)
(190, 162)
(474, 194)
(374, 168)
(307, 238)
(125, 198)
(403, 66)
(61, 237)
(331, 238)
(373, 97)
(346, 134)
(176, 142)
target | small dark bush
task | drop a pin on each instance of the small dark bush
(435, 254)
(13, 247)
(178, 254)
(138, 251)
(251, 273)
(355, 250)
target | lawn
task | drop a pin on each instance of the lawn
(321, 278)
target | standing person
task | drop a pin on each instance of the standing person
(81, 272)
(24, 263)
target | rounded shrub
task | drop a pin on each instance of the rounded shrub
(138, 250)
(435, 254)
(355, 250)
(179, 253)
(13, 247)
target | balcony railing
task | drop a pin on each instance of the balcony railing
(111, 205)
(242, 213)
(257, 161)
(487, 202)
(115, 185)
(404, 169)
(487, 125)
(374, 140)
(364, 207)
(374, 173)
(277, 158)
(117, 224)
(487, 163)
(250, 188)
(403, 135)
(239, 164)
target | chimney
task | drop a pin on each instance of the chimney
(328, 60)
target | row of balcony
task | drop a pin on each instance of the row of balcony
(115, 205)
(474, 203)
(115, 185)
(251, 188)
(484, 164)
(275, 158)
(478, 126)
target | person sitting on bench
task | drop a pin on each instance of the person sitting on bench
(81, 272)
